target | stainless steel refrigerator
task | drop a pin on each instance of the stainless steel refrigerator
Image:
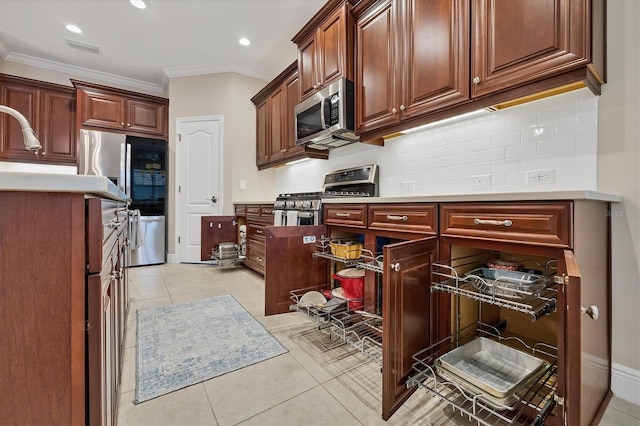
(138, 166)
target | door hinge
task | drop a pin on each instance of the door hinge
(178, 240)
(87, 326)
(558, 399)
(179, 137)
(179, 189)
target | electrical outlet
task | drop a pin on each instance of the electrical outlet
(540, 177)
(481, 182)
(308, 239)
(243, 184)
(408, 185)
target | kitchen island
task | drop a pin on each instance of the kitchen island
(64, 297)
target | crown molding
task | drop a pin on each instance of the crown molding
(114, 79)
(189, 71)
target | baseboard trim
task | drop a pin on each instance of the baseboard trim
(625, 383)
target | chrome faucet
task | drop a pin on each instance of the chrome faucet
(30, 140)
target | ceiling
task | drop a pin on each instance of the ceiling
(170, 38)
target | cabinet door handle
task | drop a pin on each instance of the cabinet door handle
(592, 311)
(393, 217)
(402, 107)
(476, 80)
(122, 124)
(394, 110)
(506, 222)
(343, 214)
(395, 267)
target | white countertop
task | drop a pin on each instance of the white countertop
(58, 182)
(470, 197)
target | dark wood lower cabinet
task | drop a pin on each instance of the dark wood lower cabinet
(406, 291)
(63, 308)
(291, 265)
(430, 306)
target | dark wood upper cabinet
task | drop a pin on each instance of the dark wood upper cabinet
(412, 57)
(325, 47)
(278, 122)
(136, 114)
(275, 122)
(262, 133)
(518, 41)
(417, 62)
(51, 111)
(292, 86)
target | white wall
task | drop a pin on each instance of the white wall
(557, 134)
(619, 172)
(227, 95)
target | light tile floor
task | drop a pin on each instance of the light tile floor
(315, 383)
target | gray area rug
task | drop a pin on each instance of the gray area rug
(185, 344)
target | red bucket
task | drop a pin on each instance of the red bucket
(352, 282)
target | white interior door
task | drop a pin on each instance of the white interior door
(199, 152)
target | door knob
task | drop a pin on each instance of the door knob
(214, 199)
(592, 311)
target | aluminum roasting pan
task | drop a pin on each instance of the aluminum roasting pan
(492, 367)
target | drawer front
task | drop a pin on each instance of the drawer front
(255, 232)
(421, 219)
(252, 211)
(240, 209)
(353, 215)
(256, 258)
(266, 214)
(548, 224)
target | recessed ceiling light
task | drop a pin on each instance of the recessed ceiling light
(244, 41)
(74, 29)
(139, 4)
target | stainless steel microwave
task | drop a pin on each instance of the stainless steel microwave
(326, 119)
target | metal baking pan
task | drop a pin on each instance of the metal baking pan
(498, 404)
(492, 367)
(505, 283)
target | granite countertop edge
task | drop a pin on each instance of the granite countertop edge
(99, 186)
(575, 195)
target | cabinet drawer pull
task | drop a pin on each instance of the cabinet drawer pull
(343, 214)
(506, 222)
(259, 259)
(258, 231)
(393, 217)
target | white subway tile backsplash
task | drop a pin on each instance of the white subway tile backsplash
(557, 133)
(538, 162)
(528, 149)
(506, 139)
(492, 154)
(505, 165)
